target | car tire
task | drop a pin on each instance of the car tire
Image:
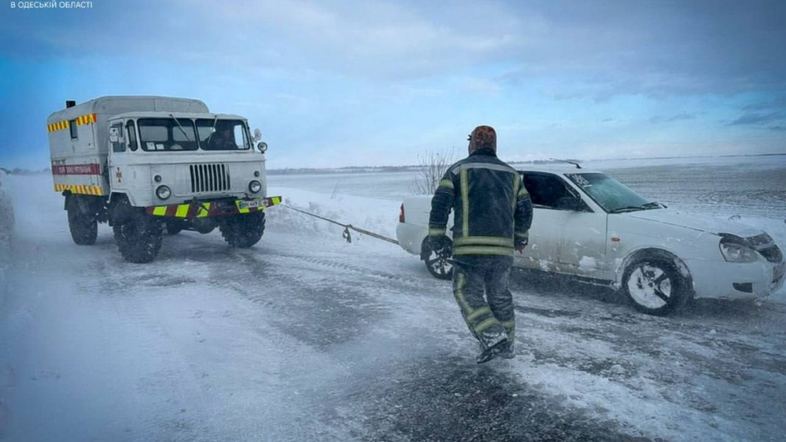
(655, 286)
(438, 264)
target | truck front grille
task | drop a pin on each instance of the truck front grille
(209, 178)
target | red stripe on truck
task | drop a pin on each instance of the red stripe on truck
(76, 169)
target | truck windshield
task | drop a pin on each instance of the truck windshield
(609, 193)
(222, 134)
(164, 134)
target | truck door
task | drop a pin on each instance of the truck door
(122, 144)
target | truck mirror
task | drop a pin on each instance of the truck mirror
(262, 146)
(257, 134)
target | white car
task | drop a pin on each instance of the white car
(588, 225)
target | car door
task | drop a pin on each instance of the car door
(542, 251)
(568, 236)
(582, 248)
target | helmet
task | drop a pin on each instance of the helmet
(482, 137)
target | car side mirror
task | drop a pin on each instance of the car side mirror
(257, 135)
(262, 147)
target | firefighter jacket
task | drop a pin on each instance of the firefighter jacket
(491, 207)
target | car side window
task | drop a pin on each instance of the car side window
(548, 191)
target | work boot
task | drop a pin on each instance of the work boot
(508, 352)
(494, 345)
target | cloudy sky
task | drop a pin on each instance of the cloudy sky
(340, 83)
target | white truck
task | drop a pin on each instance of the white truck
(146, 165)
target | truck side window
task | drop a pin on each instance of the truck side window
(73, 129)
(131, 129)
(118, 146)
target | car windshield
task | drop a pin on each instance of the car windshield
(222, 134)
(610, 194)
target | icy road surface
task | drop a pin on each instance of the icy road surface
(306, 337)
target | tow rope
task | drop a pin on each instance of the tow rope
(345, 234)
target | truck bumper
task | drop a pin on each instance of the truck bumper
(207, 209)
(736, 280)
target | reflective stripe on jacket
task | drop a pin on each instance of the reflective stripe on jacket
(492, 208)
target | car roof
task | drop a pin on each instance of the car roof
(558, 168)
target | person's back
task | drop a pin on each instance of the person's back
(492, 214)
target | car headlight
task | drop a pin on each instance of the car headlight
(255, 186)
(163, 192)
(737, 251)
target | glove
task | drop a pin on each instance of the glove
(521, 244)
(439, 242)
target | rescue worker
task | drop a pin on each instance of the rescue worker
(492, 213)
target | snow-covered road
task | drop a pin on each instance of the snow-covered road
(306, 337)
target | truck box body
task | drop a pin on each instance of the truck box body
(78, 138)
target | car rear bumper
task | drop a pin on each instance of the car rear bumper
(410, 236)
(736, 280)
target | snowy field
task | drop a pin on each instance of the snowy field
(307, 337)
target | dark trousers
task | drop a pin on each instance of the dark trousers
(486, 316)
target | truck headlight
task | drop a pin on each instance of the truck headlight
(163, 192)
(255, 186)
(737, 251)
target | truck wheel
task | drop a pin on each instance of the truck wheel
(243, 231)
(655, 286)
(138, 238)
(83, 226)
(437, 262)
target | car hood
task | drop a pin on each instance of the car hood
(695, 222)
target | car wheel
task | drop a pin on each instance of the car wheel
(655, 286)
(437, 262)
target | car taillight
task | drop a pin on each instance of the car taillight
(401, 214)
